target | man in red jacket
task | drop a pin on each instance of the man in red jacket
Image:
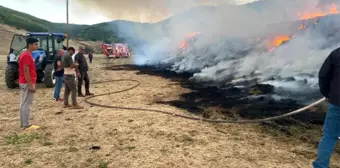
(27, 81)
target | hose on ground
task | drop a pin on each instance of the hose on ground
(87, 100)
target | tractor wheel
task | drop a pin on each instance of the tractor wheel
(11, 75)
(49, 80)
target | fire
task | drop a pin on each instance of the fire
(280, 39)
(302, 26)
(185, 43)
(332, 10)
(311, 16)
(277, 41)
(190, 35)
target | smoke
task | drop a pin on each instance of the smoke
(222, 52)
(142, 11)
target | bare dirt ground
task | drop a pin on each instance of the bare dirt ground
(68, 138)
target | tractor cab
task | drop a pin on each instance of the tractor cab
(49, 44)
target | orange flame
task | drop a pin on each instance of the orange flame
(302, 26)
(280, 39)
(332, 10)
(277, 41)
(184, 44)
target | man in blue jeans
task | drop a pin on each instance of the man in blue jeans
(329, 84)
(58, 75)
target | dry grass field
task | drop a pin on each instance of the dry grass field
(98, 137)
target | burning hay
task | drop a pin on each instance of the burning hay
(285, 55)
(319, 13)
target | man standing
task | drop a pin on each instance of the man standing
(58, 75)
(83, 68)
(90, 57)
(69, 79)
(27, 81)
(329, 84)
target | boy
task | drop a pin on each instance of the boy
(27, 81)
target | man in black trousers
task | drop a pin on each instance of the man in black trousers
(91, 57)
(83, 68)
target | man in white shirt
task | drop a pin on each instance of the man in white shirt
(69, 80)
(12, 56)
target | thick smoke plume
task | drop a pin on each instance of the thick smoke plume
(141, 10)
(235, 43)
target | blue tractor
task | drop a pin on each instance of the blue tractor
(49, 44)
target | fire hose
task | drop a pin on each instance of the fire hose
(87, 100)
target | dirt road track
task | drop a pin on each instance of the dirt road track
(134, 138)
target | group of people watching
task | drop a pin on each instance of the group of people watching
(67, 70)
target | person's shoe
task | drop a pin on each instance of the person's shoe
(76, 107)
(60, 100)
(81, 95)
(89, 94)
(67, 106)
(32, 127)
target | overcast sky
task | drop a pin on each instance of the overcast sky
(96, 11)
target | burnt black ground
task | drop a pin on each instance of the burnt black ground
(226, 103)
(216, 103)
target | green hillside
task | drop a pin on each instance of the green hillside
(22, 21)
(27, 22)
(30, 23)
(96, 32)
(116, 31)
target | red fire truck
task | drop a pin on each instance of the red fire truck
(116, 50)
(107, 49)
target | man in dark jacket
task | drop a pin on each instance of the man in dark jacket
(90, 57)
(83, 68)
(58, 75)
(329, 83)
